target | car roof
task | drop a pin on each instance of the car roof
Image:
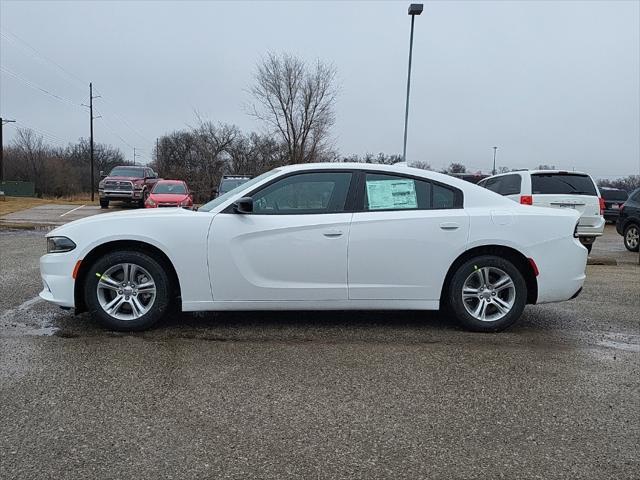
(401, 168)
(164, 180)
(531, 172)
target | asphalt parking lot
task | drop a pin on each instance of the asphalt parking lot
(321, 395)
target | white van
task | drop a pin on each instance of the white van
(555, 189)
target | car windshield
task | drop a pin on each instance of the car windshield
(223, 198)
(170, 188)
(229, 184)
(562, 184)
(127, 172)
(617, 195)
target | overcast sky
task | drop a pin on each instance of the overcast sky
(547, 82)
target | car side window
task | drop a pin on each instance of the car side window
(395, 192)
(493, 184)
(391, 192)
(510, 184)
(304, 193)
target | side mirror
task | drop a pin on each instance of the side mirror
(102, 174)
(243, 205)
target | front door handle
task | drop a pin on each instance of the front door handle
(333, 233)
(449, 226)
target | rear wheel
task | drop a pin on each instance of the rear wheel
(104, 203)
(632, 237)
(487, 294)
(127, 290)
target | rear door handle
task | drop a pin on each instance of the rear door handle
(333, 233)
(449, 226)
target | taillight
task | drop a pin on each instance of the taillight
(601, 205)
(526, 199)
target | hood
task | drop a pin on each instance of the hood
(161, 214)
(119, 179)
(168, 197)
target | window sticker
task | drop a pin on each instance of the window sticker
(389, 194)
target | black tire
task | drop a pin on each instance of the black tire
(589, 246)
(157, 308)
(104, 203)
(145, 195)
(631, 230)
(457, 306)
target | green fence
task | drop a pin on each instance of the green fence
(18, 189)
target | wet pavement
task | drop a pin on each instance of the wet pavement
(321, 395)
(53, 214)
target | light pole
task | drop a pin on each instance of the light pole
(494, 160)
(414, 9)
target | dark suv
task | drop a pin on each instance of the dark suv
(613, 200)
(628, 224)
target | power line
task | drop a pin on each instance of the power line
(123, 121)
(49, 137)
(78, 82)
(35, 86)
(40, 56)
(106, 124)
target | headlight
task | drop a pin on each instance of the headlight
(184, 203)
(59, 244)
(137, 186)
(150, 202)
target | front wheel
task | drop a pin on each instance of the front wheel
(104, 203)
(143, 200)
(487, 294)
(127, 290)
(632, 237)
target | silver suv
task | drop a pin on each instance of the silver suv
(555, 189)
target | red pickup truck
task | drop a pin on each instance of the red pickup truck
(126, 184)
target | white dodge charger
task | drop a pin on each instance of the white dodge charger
(321, 237)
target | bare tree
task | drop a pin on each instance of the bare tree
(628, 184)
(455, 168)
(297, 102)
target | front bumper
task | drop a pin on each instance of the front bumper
(56, 270)
(120, 194)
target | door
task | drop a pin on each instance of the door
(405, 238)
(568, 190)
(292, 247)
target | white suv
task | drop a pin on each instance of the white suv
(556, 189)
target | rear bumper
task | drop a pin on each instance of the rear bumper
(562, 264)
(594, 230)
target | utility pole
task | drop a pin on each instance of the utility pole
(134, 155)
(494, 160)
(2, 122)
(91, 119)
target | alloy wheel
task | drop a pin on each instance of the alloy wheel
(488, 294)
(632, 237)
(126, 291)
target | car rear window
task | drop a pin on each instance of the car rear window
(618, 195)
(562, 184)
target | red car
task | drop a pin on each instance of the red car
(170, 193)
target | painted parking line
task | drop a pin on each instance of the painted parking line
(73, 210)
